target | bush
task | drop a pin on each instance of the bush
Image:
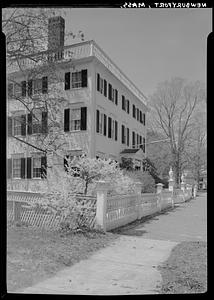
(147, 181)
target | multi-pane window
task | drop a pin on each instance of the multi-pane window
(17, 125)
(17, 168)
(133, 139)
(37, 121)
(37, 86)
(36, 167)
(76, 80)
(75, 119)
(123, 135)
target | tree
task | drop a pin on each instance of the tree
(173, 106)
(26, 32)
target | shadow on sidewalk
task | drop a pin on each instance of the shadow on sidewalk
(136, 228)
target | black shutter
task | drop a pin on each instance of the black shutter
(43, 167)
(9, 126)
(30, 87)
(127, 136)
(24, 85)
(105, 88)
(116, 97)
(83, 125)
(105, 119)
(140, 141)
(144, 145)
(9, 168)
(133, 111)
(109, 127)
(109, 91)
(67, 119)
(22, 167)
(123, 102)
(67, 80)
(116, 129)
(29, 167)
(144, 119)
(98, 82)
(141, 117)
(97, 121)
(133, 139)
(127, 106)
(137, 114)
(44, 85)
(23, 125)
(84, 78)
(44, 122)
(123, 134)
(29, 124)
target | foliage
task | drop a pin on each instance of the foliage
(147, 181)
(126, 163)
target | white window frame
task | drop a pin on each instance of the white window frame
(13, 160)
(34, 157)
(76, 79)
(74, 122)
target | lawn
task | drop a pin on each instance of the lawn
(185, 271)
(35, 254)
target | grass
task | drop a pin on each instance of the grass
(185, 271)
(34, 254)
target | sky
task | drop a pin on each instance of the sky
(148, 45)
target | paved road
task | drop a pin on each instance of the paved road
(129, 264)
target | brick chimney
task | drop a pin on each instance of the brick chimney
(56, 33)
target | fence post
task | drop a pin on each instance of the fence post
(17, 211)
(138, 206)
(159, 195)
(101, 189)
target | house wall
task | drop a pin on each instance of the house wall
(110, 147)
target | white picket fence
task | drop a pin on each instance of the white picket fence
(106, 212)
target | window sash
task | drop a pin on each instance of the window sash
(16, 167)
(75, 119)
(36, 167)
(76, 80)
(17, 125)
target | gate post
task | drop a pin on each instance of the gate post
(101, 210)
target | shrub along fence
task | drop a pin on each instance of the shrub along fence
(102, 211)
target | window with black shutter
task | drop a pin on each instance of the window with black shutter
(116, 129)
(23, 125)
(105, 88)
(9, 126)
(97, 121)
(22, 167)
(29, 167)
(9, 168)
(24, 86)
(44, 122)
(67, 80)
(98, 82)
(43, 167)
(83, 124)
(109, 127)
(105, 124)
(29, 123)
(44, 85)
(133, 111)
(84, 78)
(127, 136)
(30, 87)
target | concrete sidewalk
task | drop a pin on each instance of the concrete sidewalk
(129, 264)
